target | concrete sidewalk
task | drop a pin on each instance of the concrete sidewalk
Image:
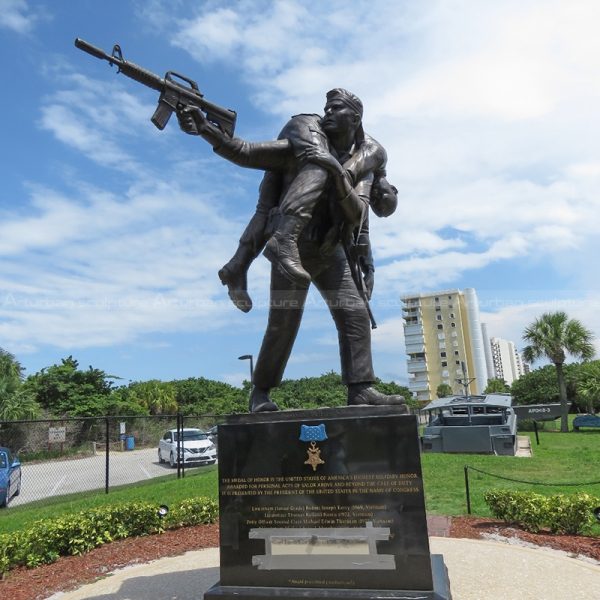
(478, 570)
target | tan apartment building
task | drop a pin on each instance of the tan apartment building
(442, 330)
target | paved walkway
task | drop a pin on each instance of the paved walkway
(478, 570)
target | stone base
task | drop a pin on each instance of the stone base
(441, 590)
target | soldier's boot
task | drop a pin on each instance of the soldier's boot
(234, 274)
(282, 249)
(260, 401)
(365, 393)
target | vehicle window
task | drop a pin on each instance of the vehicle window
(167, 437)
(191, 436)
(3, 460)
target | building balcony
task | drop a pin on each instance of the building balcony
(414, 347)
(417, 366)
(413, 329)
(418, 386)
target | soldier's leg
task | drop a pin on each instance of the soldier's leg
(352, 322)
(350, 315)
(234, 273)
(285, 313)
(298, 202)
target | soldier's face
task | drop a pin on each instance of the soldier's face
(339, 117)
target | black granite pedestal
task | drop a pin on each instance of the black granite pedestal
(324, 503)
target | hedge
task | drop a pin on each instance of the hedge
(48, 539)
(561, 513)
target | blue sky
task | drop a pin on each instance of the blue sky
(112, 232)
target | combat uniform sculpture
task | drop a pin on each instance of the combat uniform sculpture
(311, 218)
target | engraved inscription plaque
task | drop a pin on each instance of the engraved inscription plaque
(354, 520)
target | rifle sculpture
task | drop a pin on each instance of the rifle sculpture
(173, 95)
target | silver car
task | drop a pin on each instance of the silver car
(195, 448)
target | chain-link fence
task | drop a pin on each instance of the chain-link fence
(65, 456)
(97, 454)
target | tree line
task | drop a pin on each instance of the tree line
(66, 390)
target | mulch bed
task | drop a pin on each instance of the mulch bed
(71, 572)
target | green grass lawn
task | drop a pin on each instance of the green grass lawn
(161, 490)
(560, 458)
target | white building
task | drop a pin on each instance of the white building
(507, 361)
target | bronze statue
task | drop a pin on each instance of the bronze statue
(322, 173)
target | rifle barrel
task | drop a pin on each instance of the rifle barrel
(93, 50)
(224, 117)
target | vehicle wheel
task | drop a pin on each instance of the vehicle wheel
(160, 458)
(18, 488)
(172, 460)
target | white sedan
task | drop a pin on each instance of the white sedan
(195, 447)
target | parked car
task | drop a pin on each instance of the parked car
(10, 476)
(195, 447)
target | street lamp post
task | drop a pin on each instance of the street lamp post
(250, 358)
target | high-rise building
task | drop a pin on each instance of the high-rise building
(507, 361)
(442, 331)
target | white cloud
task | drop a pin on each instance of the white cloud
(16, 15)
(488, 112)
(510, 319)
(97, 119)
(94, 270)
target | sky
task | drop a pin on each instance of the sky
(112, 232)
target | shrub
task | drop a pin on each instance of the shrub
(193, 511)
(76, 534)
(571, 514)
(560, 513)
(525, 508)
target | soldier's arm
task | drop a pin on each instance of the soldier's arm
(354, 201)
(272, 155)
(365, 256)
(370, 157)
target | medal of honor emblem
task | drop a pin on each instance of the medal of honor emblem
(313, 434)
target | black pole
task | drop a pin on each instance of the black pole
(179, 434)
(182, 447)
(107, 452)
(467, 491)
(537, 437)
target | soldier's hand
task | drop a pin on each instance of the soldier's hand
(191, 120)
(369, 279)
(322, 158)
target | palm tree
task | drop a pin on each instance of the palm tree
(553, 336)
(11, 372)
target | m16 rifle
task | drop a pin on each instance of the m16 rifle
(174, 95)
